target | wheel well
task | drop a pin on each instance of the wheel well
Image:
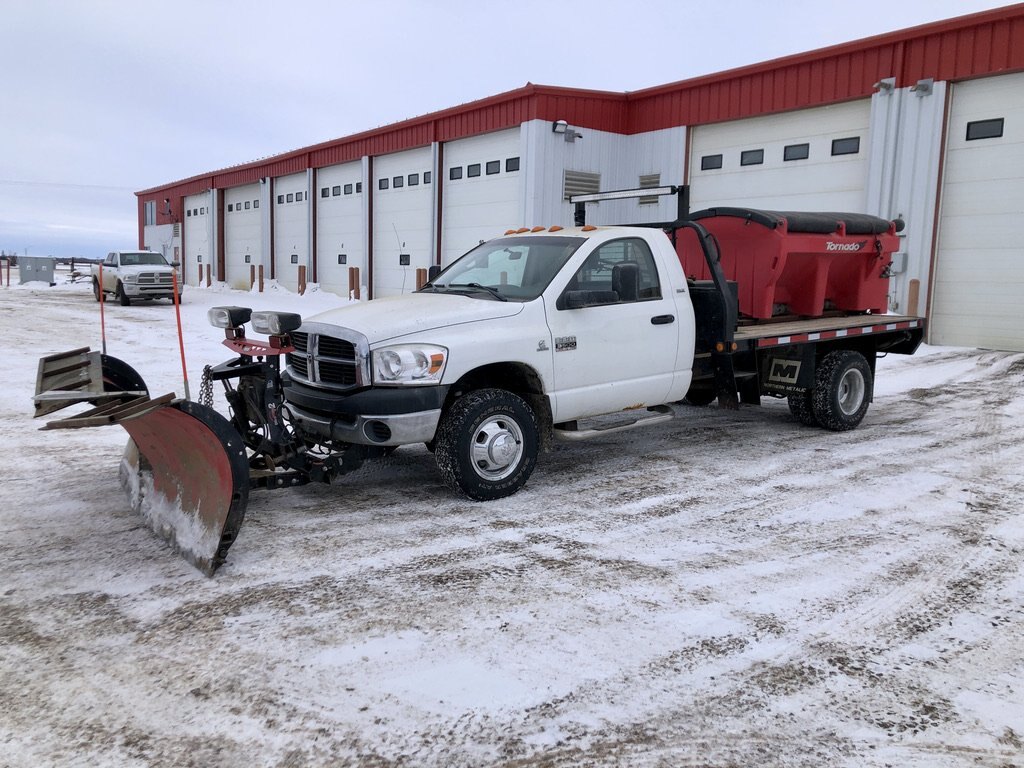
(512, 377)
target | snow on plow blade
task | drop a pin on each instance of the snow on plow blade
(185, 472)
(185, 468)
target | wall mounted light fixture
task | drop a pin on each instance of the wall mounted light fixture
(562, 127)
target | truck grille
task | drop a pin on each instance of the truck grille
(328, 359)
(162, 279)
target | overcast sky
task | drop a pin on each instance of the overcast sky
(102, 98)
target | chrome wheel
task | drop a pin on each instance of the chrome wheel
(497, 447)
(852, 389)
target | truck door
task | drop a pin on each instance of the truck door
(614, 333)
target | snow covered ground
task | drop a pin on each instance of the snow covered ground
(729, 589)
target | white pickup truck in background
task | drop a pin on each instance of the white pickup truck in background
(134, 275)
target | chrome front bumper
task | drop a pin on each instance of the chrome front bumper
(385, 430)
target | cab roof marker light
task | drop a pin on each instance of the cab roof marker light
(589, 228)
(538, 229)
(510, 232)
(555, 228)
(522, 229)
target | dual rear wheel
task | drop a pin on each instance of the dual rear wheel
(841, 394)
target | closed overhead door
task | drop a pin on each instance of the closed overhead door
(198, 239)
(243, 234)
(291, 229)
(812, 159)
(402, 220)
(978, 280)
(340, 228)
(482, 192)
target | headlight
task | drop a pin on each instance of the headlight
(409, 364)
(131, 278)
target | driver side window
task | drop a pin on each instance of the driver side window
(618, 272)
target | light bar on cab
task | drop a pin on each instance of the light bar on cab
(624, 194)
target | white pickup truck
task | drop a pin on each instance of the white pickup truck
(544, 333)
(134, 275)
(571, 332)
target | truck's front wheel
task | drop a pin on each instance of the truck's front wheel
(487, 444)
(842, 390)
(121, 296)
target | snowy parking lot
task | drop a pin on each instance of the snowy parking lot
(726, 589)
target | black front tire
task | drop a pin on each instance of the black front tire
(487, 444)
(121, 296)
(842, 390)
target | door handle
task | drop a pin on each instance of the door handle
(662, 319)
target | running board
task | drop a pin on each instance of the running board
(661, 413)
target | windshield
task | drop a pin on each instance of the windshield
(507, 269)
(142, 258)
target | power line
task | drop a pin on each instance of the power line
(64, 185)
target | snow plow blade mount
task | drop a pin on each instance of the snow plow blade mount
(185, 468)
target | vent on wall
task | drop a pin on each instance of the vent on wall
(647, 181)
(580, 183)
(176, 232)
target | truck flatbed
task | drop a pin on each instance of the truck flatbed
(815, 329)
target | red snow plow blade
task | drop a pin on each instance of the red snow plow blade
(185, 472)
(185, 468)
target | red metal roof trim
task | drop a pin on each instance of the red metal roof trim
(967, 47)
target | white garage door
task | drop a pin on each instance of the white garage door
(340, 227)
(979, 272)
(291, 229)
(243, 244)
(198, 250)
(814, 160)
(481, 190)
(402, 226)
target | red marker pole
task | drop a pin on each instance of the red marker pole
(181, 338)
(103, 325)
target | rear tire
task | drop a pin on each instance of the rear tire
(121, 296)
(842, 390)
(96, 289)
(487, 444)
(801, 405)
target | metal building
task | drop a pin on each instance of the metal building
(926, 124)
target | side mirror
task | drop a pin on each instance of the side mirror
(582, 299)
(175, 264)
(433, 271)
